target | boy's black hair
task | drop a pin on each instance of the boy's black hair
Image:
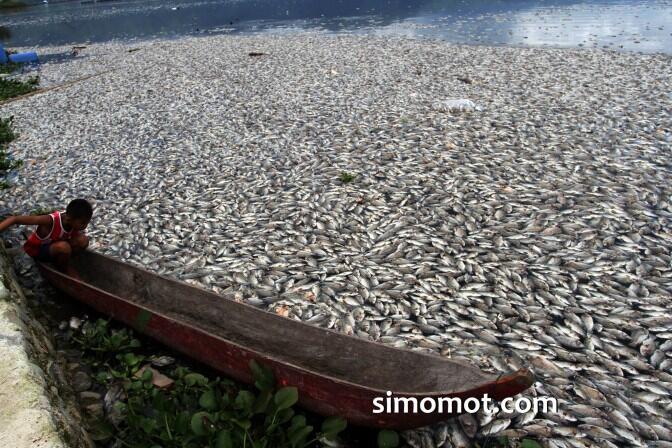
(79, 209)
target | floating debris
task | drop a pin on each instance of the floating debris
(460, 105)
(158, 379)
(113, 395)
(77, 49)
(162, 361)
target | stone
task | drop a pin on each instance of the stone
(81, 381)
(95, 410)
(89, 397)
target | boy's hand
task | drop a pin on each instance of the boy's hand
(6, 223)
(25, 220)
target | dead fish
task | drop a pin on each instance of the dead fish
(75, 323)
(161, 361)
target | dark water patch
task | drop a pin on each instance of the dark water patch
(58, 58)
(5, 33)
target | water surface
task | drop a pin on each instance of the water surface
(631, 25)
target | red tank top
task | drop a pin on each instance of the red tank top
(32, 245)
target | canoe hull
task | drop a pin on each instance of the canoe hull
(318, 393)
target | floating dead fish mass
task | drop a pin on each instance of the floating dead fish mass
(532, 231)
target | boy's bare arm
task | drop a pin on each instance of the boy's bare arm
(25, 220)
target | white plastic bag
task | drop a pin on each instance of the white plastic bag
(458, 105)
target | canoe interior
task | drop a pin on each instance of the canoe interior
(325, 352)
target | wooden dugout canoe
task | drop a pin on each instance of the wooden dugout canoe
(335, 374)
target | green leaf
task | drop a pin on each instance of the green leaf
(286, 397)
(148, 425)
(388, 439)
(245, 401)
(131, 360)
(529, 443)
(262, 401)
(284, 416)
(147, 375)
(298, 421)
(182, 423)
(193, 379)
(262, 375)
(180, 372)
(103, 377)
(298, 438)
(332, 426)
(200, 423)
(224, 439)
(271, 429)
(243, 423)
(159, 401)
(226, 414)
(114, 341)
(208, 400)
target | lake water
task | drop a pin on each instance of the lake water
(632, 25)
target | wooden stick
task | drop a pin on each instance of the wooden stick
(48, 89)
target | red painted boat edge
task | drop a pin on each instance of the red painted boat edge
(320, 393)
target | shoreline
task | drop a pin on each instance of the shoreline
(335, 34)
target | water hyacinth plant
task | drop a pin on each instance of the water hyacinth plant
(194, 411)
(10, 88)
(7, 162)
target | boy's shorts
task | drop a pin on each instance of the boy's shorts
(44, 254)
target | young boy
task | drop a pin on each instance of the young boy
(58, 235)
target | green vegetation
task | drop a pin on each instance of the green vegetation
(9, 67)
(6, 132)
(346, 177)
(12, 4)
(10, 88)
(194, 411)
(529, 443)
(7, 163)
(504, 442)
(98, 338)
(388, 439)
